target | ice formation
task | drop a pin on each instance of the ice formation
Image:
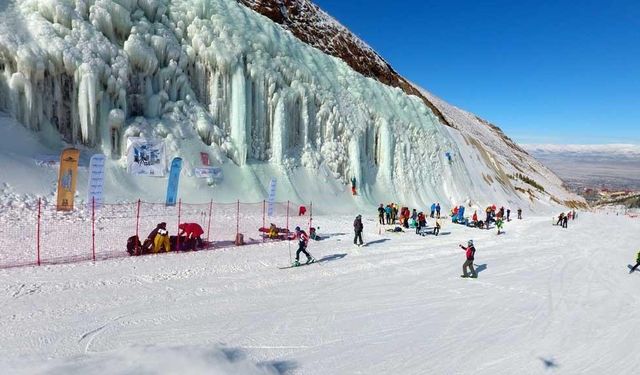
(99, 71)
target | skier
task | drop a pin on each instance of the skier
(508, 214)
(303, 241)
(381, 214)
(519, 214)
(499, 224)
(436, 228)
(357, 228)
(637, 263)
(470, 253)
(438, 210)
(433, 209)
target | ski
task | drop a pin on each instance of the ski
(299, 265)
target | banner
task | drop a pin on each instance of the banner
(214, 173)
(95, 191)
(67, 177)
(52, 161)
(146, 157)
(204, 157)
(272, 196)
(174, 180)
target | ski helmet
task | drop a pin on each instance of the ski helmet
(297, 229)
(470, 243)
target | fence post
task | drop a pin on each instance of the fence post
(93, 228)
(178, 233)
(264, 223)
(209, 224)
(38, 232)
(237, 220)
(138, 218)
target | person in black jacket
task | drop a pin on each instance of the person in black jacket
(357, 228)
(381, 213)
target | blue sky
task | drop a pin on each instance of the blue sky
(544, 71)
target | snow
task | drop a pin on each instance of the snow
(213, 76)
(546, 299)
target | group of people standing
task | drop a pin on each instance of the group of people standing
(563, 219)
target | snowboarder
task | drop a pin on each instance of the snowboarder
(381, 214)
(519, 214)
(436, 228)
(160, 238)
(433, 210)
(470, 253)
(353, 186)
(303, 241)
(438, 210)
(499, 224)
(357, 228)
(637, 263)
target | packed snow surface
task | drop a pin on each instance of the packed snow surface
(547, 300)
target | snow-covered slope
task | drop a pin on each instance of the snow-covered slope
(548, 300)
(215, 76)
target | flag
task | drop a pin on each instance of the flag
(67, 178)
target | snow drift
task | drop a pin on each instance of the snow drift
(215, 76)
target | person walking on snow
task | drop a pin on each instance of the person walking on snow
(303, 241)
(565, 221)
(381, 214)
(519, 213)
(470, 253)
(422, 222)
(637, 263)
(499, 224)
(357, 228)
(508, 214)
(438, 210)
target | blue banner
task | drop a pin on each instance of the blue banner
(174, 179)
(272, 196)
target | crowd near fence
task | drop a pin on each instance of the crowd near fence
(88, 233)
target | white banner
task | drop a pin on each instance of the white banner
(272, 196)
(146, 157)
(95, 191)
(214, 173)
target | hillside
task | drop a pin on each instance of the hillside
(258, 96)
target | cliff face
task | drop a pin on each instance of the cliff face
(313, 26)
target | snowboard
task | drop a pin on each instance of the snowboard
(301, 265)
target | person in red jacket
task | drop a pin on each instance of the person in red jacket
(303, 241)
(193, 233)
(470, 252)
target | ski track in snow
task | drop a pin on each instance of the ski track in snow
(547, 299)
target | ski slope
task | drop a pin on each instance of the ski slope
(548, 300)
